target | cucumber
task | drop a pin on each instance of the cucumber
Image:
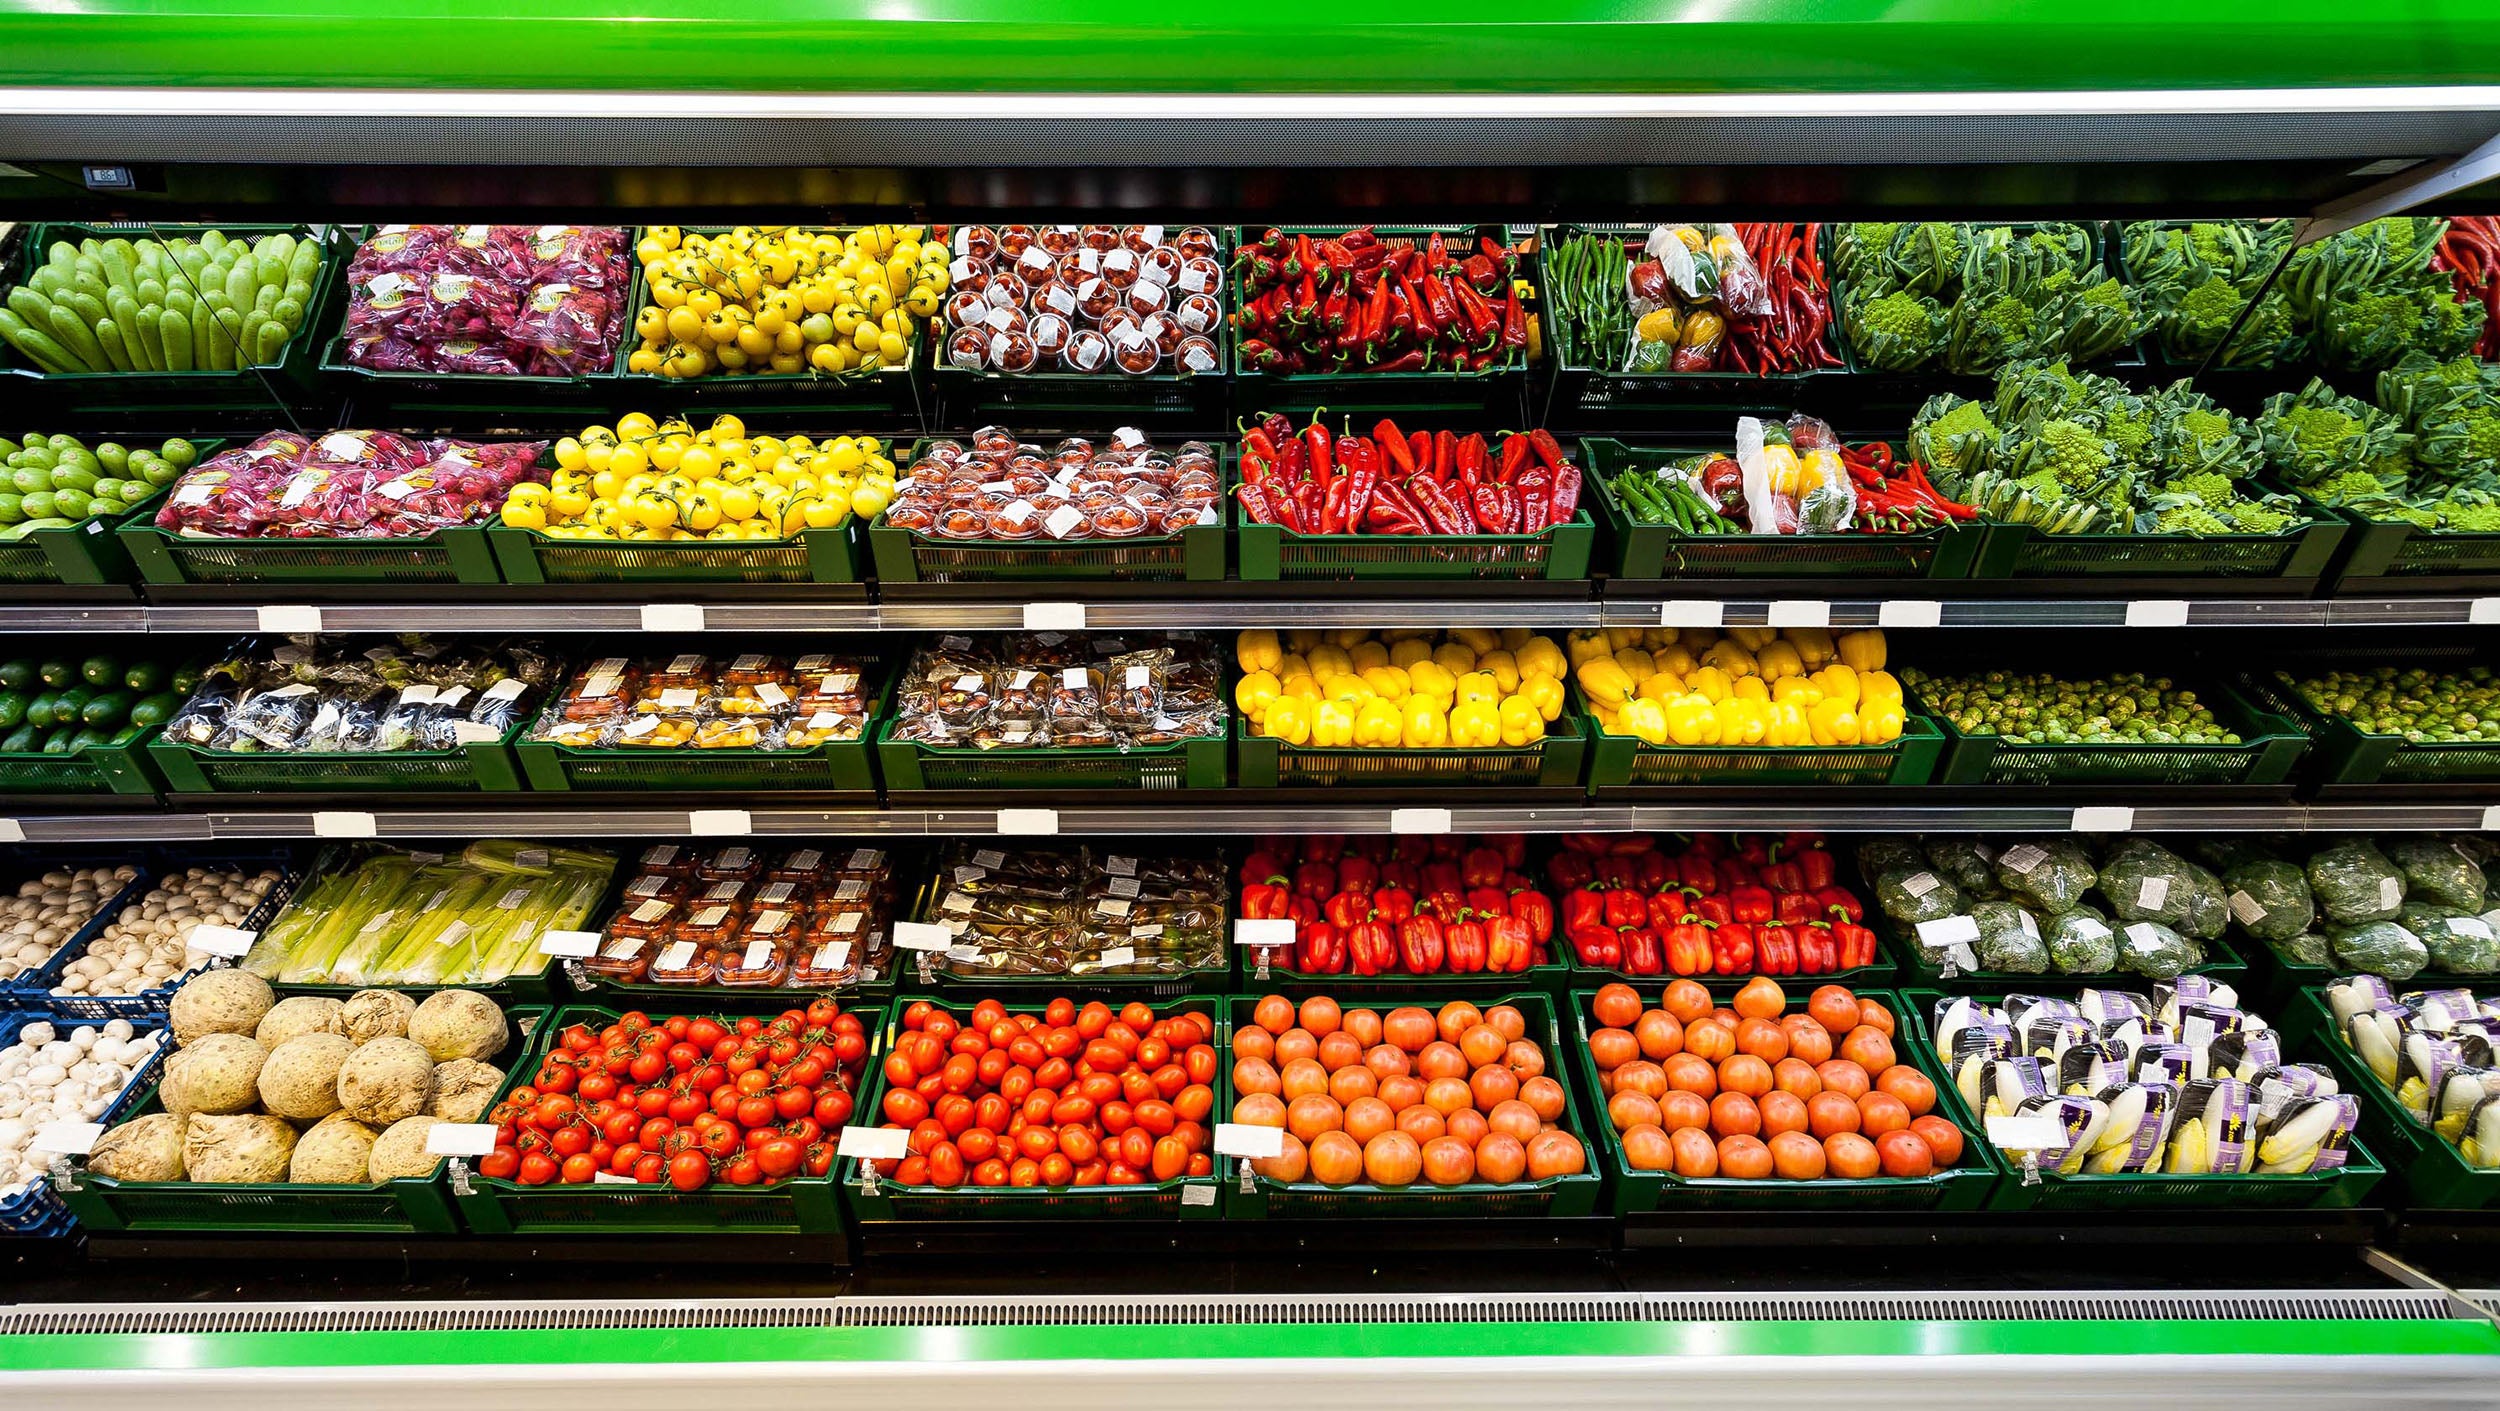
(56, 673)
(17, 675)
(85, 738)
(152, 712)
(186, 680)
(22, 740)
(40, 709)
(99, 671)
(108, 710)
(58, 741)
(145, 677)
(69, 703)
(13, 709)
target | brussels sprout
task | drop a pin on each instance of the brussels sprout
(2354, 882)
(2270, 899)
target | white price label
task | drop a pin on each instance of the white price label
(833, 955)
(2022, 858)
(1061, 520)
(1691, 612)
(289, 618)
(460, 1139)
(2491, 819)
(1947, 931)
(1909, 612)
(2157, 612)
(2037, 1132)
(221, 940)
(672, 617)
(679, 954)
(1800, 612)
(2245, 910)
(12, 831)
(1247, 1140)
(920, 935)
(1266, 934)
(344, 825)
(2143, 939)
(1028, 822)
(2104, 818)
(67, 1138)
(1198, 1195)
(1054, 617)
(1919, 884)
(1118, 955)
(2482, 612)
(611, 1178)
(720, 823)
(1419, 820)
(873, 1143)
(2391, 891)
(578, 944)
(470, 732)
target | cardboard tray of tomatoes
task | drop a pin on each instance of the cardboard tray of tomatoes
(1965, 1185)
(1258, 1197)
(798, 1204)
(878, 1199)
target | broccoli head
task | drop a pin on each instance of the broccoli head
(2349, 486)
(1985, 332)
(2204, 486)
(2185, 518)
(2471, 517)
(1934, 438)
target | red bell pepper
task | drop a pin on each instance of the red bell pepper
(1731, 949)
(1506, 945)
(1393, 904)
(1347, 910)
(1626, 909)
(1537, 911)
(1463, 942)
(1317, 880)
(1671, 908)
(1714, 910)
(1488, 901)
(1357, 874)
(1840, 901)
(1265, 901)
(1857, 944)
(1420, 945)
(1264, 866)
(1688, 948)
(1750, 904)
(1482, 867)
(1775, 949)
(1323, 847)
(1652, 871)
(1582, 907)
(1569, 870)
(1797, 908)
(1512, 846)
(1596, 945)
(1818, 867)
(1643, 954)
(1818, 952)
(1699, 874)
(1781, 874)
(1371, 948)
(1318, 949)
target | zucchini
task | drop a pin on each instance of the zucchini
(13, 709)
(144, 677)
(67, 705)
(17, 675)
(151, 712)
(56, 673)
(25, 739)
(41, 709)
(107, 710)
(99, 671)
(58, 741)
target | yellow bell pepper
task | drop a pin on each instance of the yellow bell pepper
(1255, 693)
(1513, 638)
(1814, 644)
(1427, 720)
(1732, 659)
(1366, 655)
(1662, 686)
(1604, 681)
(1698, 639)
(1455, 658)
(1301, 639)
(1479, 688)
(1779, 659)
(1428, 678)
(1544, 692)
(1504, 668)
(1303, 685)
(1672, 658)
(1740, 721)
(1539, 656)
(1779, 465)
(1753, 639)
(1407, 653)
(1787, 725)
(1689, 720)
(1833, 723)
(1646, 720)
(1798, 690)
(1352, 689)
(1327, 661)
(1477, 639)
(1377, 725)
(1346, 637)
(1862, 650)
(1605, 719)
(1710, 683)
(1332, 725)
(1878, 686)
(1289, 720)
(1588, 644)
(1293, 664)
(1617, 638)
(1879, 725)
(1635, 663)
(1838, 683)
(1257, 650)
(1475, 725)
(1750, 688)
(1521, 724)
(1388, 681)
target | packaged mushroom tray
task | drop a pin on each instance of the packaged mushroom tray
(993, 486)
(742, 917)
(1095, 299)
(689, 700)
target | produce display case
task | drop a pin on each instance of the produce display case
(928, 974)
(2390, 556)
(2270, 746)
(1867, 978)
(117, 766)
(1555, 763)
(835, 767)
(402, 1205)
(459, 554)
(39, 1211)
(1270, 553)
(491, 1205)
(1619, 764)
(2434, 1173)
(2343, 753)
(485, 767)
(36, 986)
(1185, 1198)
(908, 558)
(1256, 1197)
(1964, 1186)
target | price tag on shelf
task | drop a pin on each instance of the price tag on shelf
(610, 1178)
(2036, 1132)
(1947, 931)
(1909, 612)
(229, 941)
(577, 944)
(873, 1143)
(1691, 612)
(2102, 818)
(1800, 612)
(1054, 617)
(1419, 820)
(289, 618)
(1028, 822)
(2491, 818)
(344, 825)
(720, 823)
(460, 1139)
(474, 732)
(1264, 934)
(920, 935)
(66, 1138)
(1244, 1139)
(12, 831)
(2482, 612)
(672, 617)
(2157, 612)
(1198, 1195)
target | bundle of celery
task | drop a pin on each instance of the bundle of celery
(401, 918)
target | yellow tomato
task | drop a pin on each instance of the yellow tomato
(569, 454)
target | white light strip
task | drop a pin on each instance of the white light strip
(610, 104)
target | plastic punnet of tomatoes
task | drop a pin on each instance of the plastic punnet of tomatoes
(1710, 906)
(1422, 1106)
(1080, 1107)
(1721, 1097)
(1440, 905)
(625, 1121)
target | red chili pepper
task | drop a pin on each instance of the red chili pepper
(1393, 445)
(1514, 320)
(1444, 456)
(1484, 325)
(1407, 516)
(1254, 503)
(1256, 442)
(1440, 511)
(1332, 514)
(1296, 466)
(1310, 505)
(1565, 496)
(1428, 321)
(1515, 452)
(1363, 473)
(1536, 501)
(1444, 309)
(1315, 437)
(1437, 254)
(1403, 362)
(1486, 503)
(1479, 271)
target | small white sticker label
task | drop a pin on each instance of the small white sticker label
(1920, 884)
(289, 618)
(873, 1143)
(611, 1178)
(2021, 858)
(920, 935)
(1198, 1194)
(1800, 612)
(67, 1138)
(1945, 932)
(1691, 612)
(470, 732)
(1054, 617)
(2153, 893)
(460, 1139)
(833, 955)
(1419, 820)
(578, 944)
(1118, 955)
(2157, 612)
(344, 825)
(1028, 822)
(1112, 906)
(2036, 1132)
(2143, 939)
(672, 617)
(1245, 1139)
(2491, 818)
(2391, 891)
(678, 956)
(2103, 818)
(720, 823)
(221, 940)
(1909, 612)
(1061, 520)
(2245, 910)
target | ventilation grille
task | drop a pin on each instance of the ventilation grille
(2400, 1304)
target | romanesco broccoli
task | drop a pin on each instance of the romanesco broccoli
(2471, 518)
(2258, 517)
(2348, 486)
(2189, 519)
(2077, 453)
(1899, 332)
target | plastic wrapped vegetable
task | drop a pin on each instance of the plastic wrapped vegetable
(2461, 945)
(2156, 951)
(2379, 948)
(2436, 870)
(1965, 862)
(2354, 882)
(2307, 948)
(1910, 895)
(2270, 899)
(2009, 939)
(2144, 881)
(1877, 856)
(2081, 942)
(2051, 874)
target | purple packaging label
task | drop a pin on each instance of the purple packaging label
(2163, 1062)
(2222, 1105)
(2159, 1101)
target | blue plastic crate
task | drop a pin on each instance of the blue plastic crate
(37, 1212)
(35, 986)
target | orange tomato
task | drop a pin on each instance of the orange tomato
(1914, 1089)
(1709, 1040)
(1942, 1138)
(1294, 1044)
(1274, 1013)
(1875, 1016)
(1696, 1155)
(1679, 1110)
(1905, 1153)
(1401, 1092)
(1746, 1074)
(1556, 1153)
(1544, 1097)
(1761, 998)
(1516, 1118)
(1782, 1112)
(1339, 1050)
(1256, 1075)
(1879, 1113)
(1642, 1077)
(1337, 1159)
(1687, 1073)
(1762, 1039)
(1447, 1095)
(1321, 1015)
(1869, 1048)
(1841, 1076)
(1387, 1061)
(1364, 1025)
(1422, 1123)
(1508, 1022)
(1524, 1058)
(1501, 1158)
(1408, 1027)
(1797, 1157)
(1629, 1110)
(1616, 1006)
(1291, 1162)
(1349, 1083)
(1833, 1007)
(1456, 1018)
(1467, 1124)
(1850, 1156)
(1302, 1077)
(1648, 1149)
(1658, 1034)
(1449, 1161)
(1368, 1117)
(1734, 1115)
(1831, 1113)
(1686, 1000)
(1251, 1041)
(1307, 1117)
(1795, 1076)
(1484, 1044)
(1744, 1158)
(1443, 1060)
(1392, 1159)
(1496, 1084)
(1809, 1042)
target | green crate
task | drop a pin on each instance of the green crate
(2346, 754)
(1593, 388)
(1552, 978)
(2411, 557)
(1181, 1198)
(2300, 552)
(1272, 553)
(2434, 1173)
(91, 551)
(2223, 961)
(925, 970)
(489, 1205)
(1656, 551)
(1195, 554)
(1878, 975)
(487, 768)
(408, 1204)
(289, 379)
(1963, 1187)
(1558, 1197)
(835, 765)
(459, 554)
(2270, 746)
(1373, 391)
(912, 766)
(810, 556)
(1625, 761)
(1554, 762)
(2339, 1189)
(116, 767)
